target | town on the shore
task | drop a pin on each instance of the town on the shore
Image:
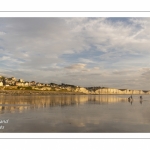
(19, 84)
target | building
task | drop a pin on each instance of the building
(53, 85)
(32, 83)
(38, 84)
(13, 78)
(1, 83)
(19, 83)
(26, 83)
(21, 80)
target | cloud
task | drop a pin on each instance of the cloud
(76, 66)
(85, 60)
(85, 51)
(2, 33)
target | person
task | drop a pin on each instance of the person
(141, 99)
(129, 99)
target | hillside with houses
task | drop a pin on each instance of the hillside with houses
(19, 84)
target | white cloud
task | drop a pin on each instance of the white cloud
(77, 66)
(97, 46)
(2, 33)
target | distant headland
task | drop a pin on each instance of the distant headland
(19, 86)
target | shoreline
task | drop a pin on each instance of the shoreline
(36, 92)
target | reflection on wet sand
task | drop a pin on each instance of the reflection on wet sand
(75, 113)
(105, 99)
(20, 103)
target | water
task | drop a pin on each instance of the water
(74, 113)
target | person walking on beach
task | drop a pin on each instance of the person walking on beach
(129, 99)
(141, 99)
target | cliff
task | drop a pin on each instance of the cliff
(74, 90)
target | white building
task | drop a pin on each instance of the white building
(1, 83)
(13, 78)
(21, 80)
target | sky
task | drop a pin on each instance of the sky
(107, 52)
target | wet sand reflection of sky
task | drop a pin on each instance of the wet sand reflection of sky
(85, 113)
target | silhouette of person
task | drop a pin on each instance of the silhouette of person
(129, 99)
(141, 99)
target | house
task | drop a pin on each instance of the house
(32, 83)
(53, 85)
(42, 84)
(1, 83)
(21, 80)
(9, 81)
(19, 83)
(38, 84)
(26, 83)
(13, 78)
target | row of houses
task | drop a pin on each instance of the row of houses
(20, 82)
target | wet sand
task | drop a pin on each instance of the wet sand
(74, 114)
